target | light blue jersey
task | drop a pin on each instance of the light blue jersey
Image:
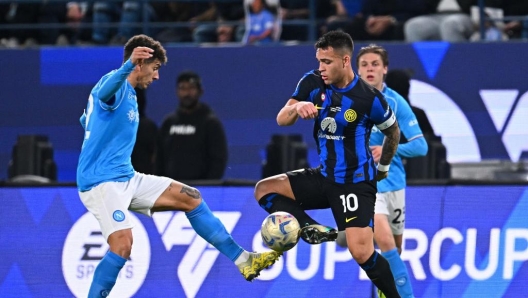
(416, 145)
(110, 124)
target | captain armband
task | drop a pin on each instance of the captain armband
(388, 123)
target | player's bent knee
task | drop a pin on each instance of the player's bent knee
(121, 243)
(269, 185)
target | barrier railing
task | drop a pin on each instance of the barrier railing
(146, 24)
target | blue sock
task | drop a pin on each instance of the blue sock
(105, 275)
(400, 273)
(210, 228)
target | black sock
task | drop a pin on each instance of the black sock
(274, 202)
(378, 270)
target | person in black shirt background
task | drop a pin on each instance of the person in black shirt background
(192, 142)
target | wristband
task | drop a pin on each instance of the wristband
(383, 168)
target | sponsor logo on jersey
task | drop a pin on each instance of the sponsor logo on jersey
(133, 116)
(84, 248)
(329, 125)
(182, 130)
(350, 115)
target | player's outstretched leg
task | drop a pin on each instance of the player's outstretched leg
(105, 275)
(256, 263)
(315, 234)
(312, 232)
(210, 228)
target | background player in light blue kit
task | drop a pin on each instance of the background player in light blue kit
(109, 186)
(389, 218)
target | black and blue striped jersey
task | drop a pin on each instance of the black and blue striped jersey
(343, 125)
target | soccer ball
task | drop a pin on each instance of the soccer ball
(280, 231)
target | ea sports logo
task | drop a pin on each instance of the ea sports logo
(85, 246)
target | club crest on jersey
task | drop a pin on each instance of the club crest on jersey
(323, 97)
(118, 216)
(350, 115)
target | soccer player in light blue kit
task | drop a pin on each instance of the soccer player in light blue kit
(389, 218)
(109, 187)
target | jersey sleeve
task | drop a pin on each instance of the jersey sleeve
(305, 87)
(416, 144)
(110, 85)
(407, 121)
(381, 113)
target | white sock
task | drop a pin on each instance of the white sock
(243, 257)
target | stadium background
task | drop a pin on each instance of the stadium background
(474, 93)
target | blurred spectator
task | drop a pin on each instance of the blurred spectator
(399, 80)
(13, 13)
(451, 22)
(260, 22)
(53, 16)
(223, 11)
(71, 14)
(192, 142)
(497, 29)
(292, 10)
(126, 14)
(384, 19)
(143, 155)
(345, 12)
(195, 11)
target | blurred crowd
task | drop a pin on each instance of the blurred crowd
(24, 24)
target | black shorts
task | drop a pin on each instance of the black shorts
(352, 204)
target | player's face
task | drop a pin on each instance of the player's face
(332, 66)
(372, 70)
(148, 73)
(188, 93)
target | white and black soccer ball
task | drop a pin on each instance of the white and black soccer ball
(280, 231)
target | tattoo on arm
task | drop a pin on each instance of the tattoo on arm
(390, 143)
(292, 112)
(191, 192)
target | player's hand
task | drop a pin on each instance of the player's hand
(139, 54)
(376, 153)
(381, 175)
(306, 110)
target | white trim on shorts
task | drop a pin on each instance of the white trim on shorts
(110, 202)
(392, 204)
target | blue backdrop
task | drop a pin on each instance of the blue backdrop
(475, 96)
(460, 241)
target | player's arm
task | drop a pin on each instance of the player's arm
(390, 143)
(386, 122)
(299, 105)
(294, 109)
(416, 144)
(114, 82)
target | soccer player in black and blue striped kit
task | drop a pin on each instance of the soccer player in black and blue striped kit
(344, 109)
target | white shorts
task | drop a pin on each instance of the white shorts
(109, 202)
(392, 204)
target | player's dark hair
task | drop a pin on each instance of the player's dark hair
(145, 41)
(338, 40)
(375, 49)
(191, 77)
